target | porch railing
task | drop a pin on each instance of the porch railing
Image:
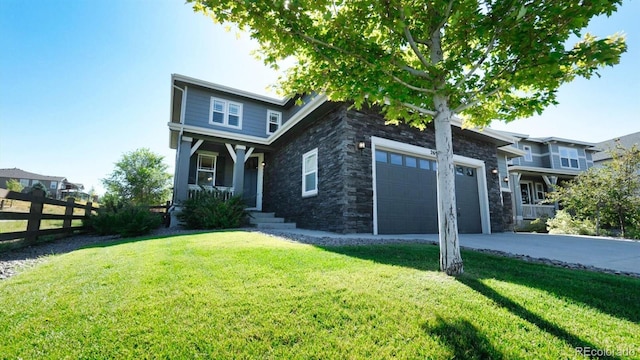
(537, 211)
(223, 193)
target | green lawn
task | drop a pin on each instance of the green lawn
(245, 295)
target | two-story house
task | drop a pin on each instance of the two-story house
(325, 165)
(545, 163)
(53, 184)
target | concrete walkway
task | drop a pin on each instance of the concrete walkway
(608, 253)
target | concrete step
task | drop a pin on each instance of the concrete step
(262, 220)
(275, 225)
(259, 215)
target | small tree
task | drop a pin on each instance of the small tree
(609, 195)
(14, 185)
(139, 178)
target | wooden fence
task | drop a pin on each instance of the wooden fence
(36, 215)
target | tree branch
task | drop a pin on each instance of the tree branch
(474, 102)
(416, 72)
(447, 13)
(426, 63)
(420, 109)
(479, 62)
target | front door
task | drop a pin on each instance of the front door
(252, 190)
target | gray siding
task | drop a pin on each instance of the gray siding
(502, 169)
(254, 113)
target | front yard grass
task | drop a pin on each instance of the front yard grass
(247, 295)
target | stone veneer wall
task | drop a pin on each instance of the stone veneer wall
(283, 176)
(345, 193)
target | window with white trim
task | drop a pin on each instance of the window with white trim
(53, 185)
(24, 182)
(568, 157)
(225, 113)
(527, 155)
(206, 170)
(274, 120)
(310, 173)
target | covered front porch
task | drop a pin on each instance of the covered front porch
(531, 187)
(216, 165)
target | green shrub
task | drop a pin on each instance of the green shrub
(209, 211)
(126, 221)
(538, 225)
(564, 223)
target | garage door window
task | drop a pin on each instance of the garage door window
(405, 160)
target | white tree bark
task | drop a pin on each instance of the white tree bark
(450, 259)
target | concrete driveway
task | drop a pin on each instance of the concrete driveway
(607, 253)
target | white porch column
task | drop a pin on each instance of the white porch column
(238, 170)
(551, 182)
(181, 180)
(517, 197)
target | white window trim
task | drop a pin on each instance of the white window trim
(528, 156)
(225, 118)
(273, 112)
(53, 185)
(569, 151)
(215, 164)
(24, 182)
(306, 155)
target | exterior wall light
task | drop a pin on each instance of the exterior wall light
(494, 171)
(506, 179)
(362, 145)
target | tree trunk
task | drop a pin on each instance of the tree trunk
(450, 259)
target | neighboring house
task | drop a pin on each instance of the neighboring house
(327, 166)
(545, 163)
(56, 185)
(604, 156)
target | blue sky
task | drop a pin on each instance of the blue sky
(82, 82)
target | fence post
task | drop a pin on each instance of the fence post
(68, 213)
(35, 216)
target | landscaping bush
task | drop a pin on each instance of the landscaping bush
(564, 223)
(124, 220)
(209, 211)
(538, 225)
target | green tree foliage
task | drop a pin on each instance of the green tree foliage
(139, 178)
(423, 61)
(610, 195)
(14, 185)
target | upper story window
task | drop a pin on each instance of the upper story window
(206, 172)
(274, 120)
(310, 173)
(225, 113)
(569, 158)
(527, 155)
(54, 185)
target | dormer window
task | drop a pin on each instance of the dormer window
(225, 113)
(274, 120)
(569, 158)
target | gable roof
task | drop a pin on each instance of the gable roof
(626, 141)
(498, 137)
(18, 174)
